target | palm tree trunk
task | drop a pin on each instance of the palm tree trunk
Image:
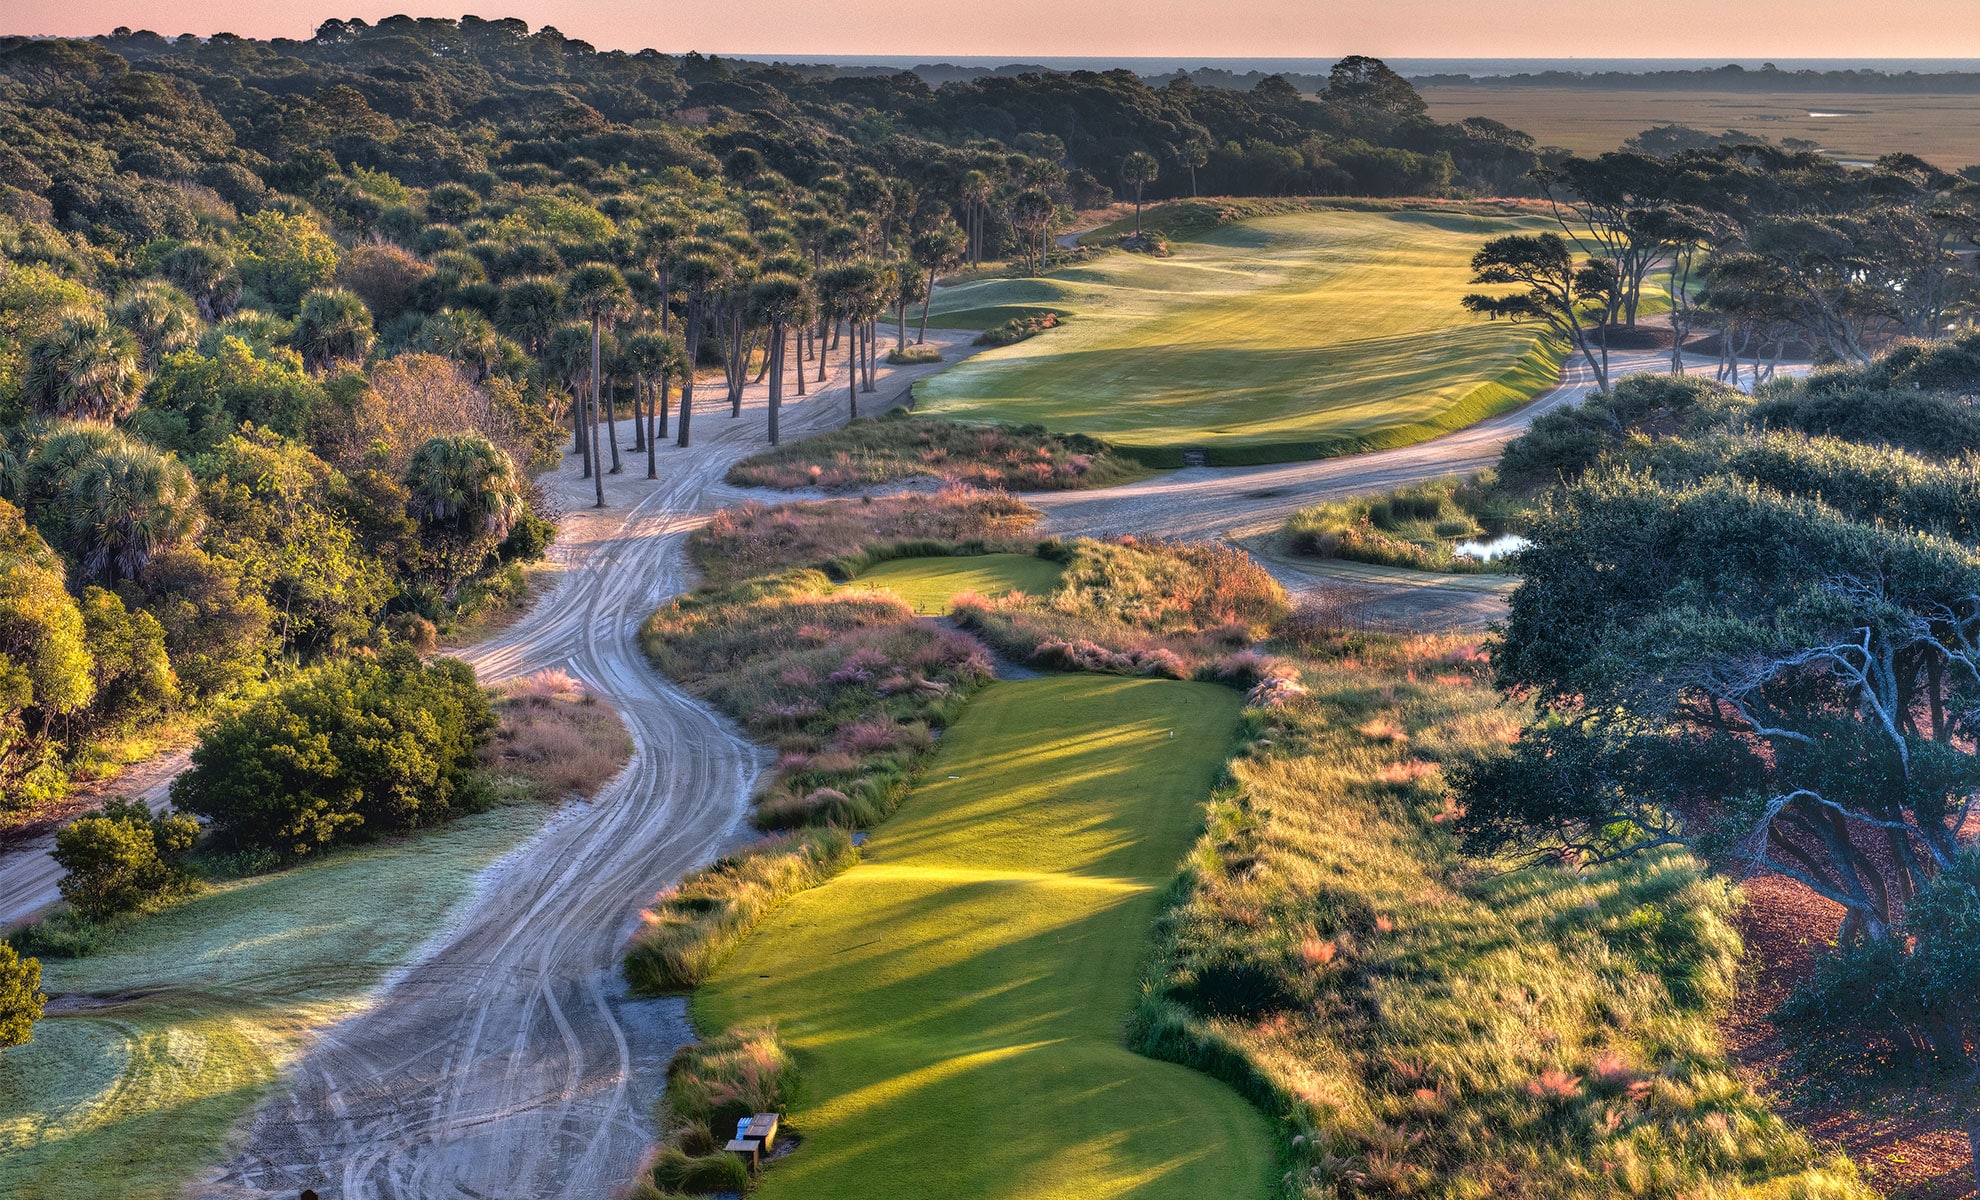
(578, 445)
(638, 406)
(687, 377)
(666, 387)
(818, 345)
(852, 376)
(900, 315)
(652, 442)
(597, 463)
(797, 336)
(774, 364)
(927, 302)
(612, 425)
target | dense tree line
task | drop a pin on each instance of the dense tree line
(1775, 251)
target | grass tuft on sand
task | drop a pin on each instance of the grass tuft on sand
(955, 1002)
(1283, 337)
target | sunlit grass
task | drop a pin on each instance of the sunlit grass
(930, 585)
(1283, 337)
(193, 1011)
(956, 1001)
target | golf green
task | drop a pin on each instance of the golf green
(930, 585)
(956, 1001)
(1274, 339)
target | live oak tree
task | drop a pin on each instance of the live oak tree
(1574, 300)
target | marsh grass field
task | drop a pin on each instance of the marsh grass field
(1857, 127)
(1284, 337)
(956, 1001)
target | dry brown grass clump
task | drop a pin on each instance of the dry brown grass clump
(846, 686)
(756, 539)
(556, 740)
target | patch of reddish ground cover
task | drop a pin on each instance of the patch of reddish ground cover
(1907, 1154)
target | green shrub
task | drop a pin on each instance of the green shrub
(21, 1000)
(372, 746)
(681, 1174)
(122, 858)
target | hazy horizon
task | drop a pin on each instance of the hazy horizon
(1421, 29)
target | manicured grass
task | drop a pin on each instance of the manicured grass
(930, 585)
(1284, 337)
(956, 1001)
(196, 1009)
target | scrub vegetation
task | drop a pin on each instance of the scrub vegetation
(1423, 1023)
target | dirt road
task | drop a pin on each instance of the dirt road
(1206, 503)
(508, 1061)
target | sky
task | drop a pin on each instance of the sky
(1128, 28)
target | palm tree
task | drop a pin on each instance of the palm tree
(161, 317)
(1139, 170)
(569, 355)
(529, 310)
(598, 294)
(701, 269)
(1193, 154)
(86, 369)
(464, 492)
(653, 357)
(852, 293)
(778, 301)
(1031, 212)
(123, 504)
(208, 275)
(333, 326)
(936, 250)
(466, 337)
(974, 192)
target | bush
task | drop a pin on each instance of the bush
(914, 355)
(21, 1000)
(371, 746)
(1017, 329)
(122, 858)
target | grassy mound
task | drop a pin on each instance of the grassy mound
(931, 585)
(900, 446)
(847, 536)
(955, 1002)
(1282, 337)
(1425, 1026)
